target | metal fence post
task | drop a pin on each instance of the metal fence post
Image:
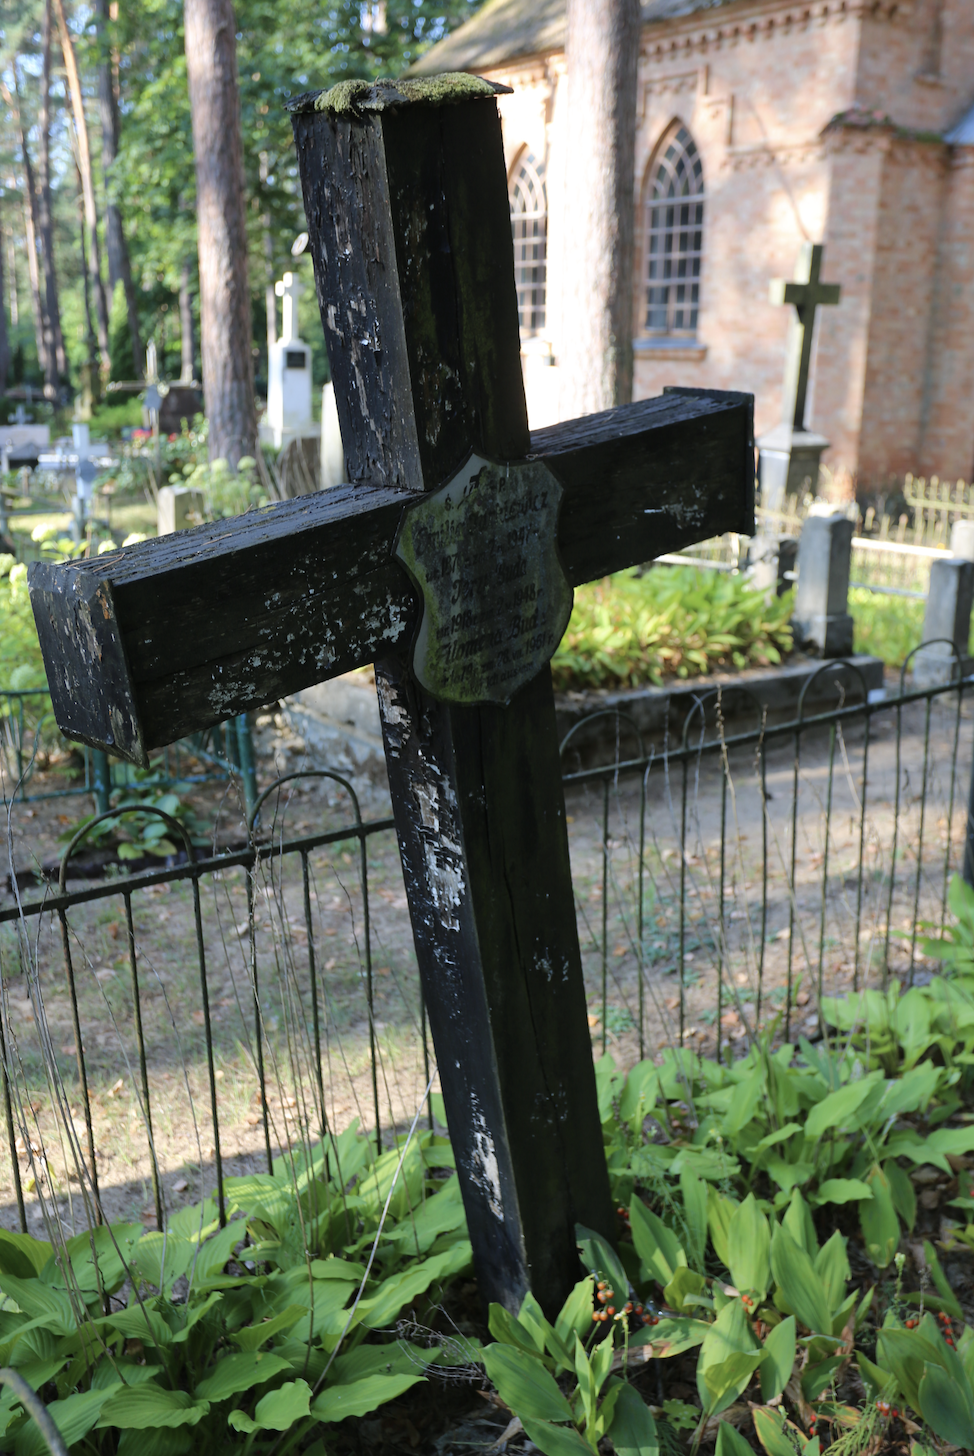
(101, 780)
(245, 754)
(968, 870)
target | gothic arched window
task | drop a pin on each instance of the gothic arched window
(674, 235)
(529, 223)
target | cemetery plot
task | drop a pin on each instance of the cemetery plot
(744, 942)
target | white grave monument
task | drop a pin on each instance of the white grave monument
(289, 416)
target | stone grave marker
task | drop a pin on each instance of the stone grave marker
(289, 415)
(405, 193)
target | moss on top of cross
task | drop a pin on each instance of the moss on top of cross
(355, 98)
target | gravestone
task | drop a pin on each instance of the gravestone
(821, 622)
(946, 623)
(289, 414)
(790, 453)
(405, 193)
(333, 470)
(179, 507)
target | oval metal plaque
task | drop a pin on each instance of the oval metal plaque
(483, 554)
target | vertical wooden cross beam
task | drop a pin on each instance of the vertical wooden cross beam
(411, 239)
(808, 294)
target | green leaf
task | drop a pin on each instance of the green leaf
(841, 1190)
(800, 1286)
(946, 1407)
(772, 1431)
(633, 1430)
(720, 1211)
(730, 1442)
(749, 1249)
(278, 1409)
(684, 1282)
(41, 1302)
(144, 1407)
(507, 1328)
(694, 1193)
(940, 1279)
(251, 1337)
(798, 1223)
(832, 1267)
(22, 1255)
(239, 1372)
(575, 1316)
(525, 1385)
(779, 1361)
(74, 1417)
(671, 1336)
(361, 1396)
(874, 1379)
(902, 1191)
(399, 1290)
(880, 1224)
(555, 1440)
(215, 1252)
(659, 1249)
(728, 1359)
(598, 1255)
(837, 1108)
(902, 1353)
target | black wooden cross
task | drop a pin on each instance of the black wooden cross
(445, 562)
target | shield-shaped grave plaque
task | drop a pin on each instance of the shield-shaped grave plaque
(482, 552)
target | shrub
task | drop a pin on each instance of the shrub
(641, 626)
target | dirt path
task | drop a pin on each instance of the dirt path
(314, 957)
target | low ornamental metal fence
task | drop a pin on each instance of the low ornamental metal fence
(27, 724)
(159, 1029)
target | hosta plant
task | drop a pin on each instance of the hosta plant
(228, 1337)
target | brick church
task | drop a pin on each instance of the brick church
(762, 124)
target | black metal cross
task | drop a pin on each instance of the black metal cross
(446, 563)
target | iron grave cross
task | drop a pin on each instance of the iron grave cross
(448, 562)
(807, 293)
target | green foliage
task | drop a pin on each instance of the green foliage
(887, 627)
(226, 492)
(21, 666)
(139, 829)
(639, 627)
(281, 1327)
(529, 1353)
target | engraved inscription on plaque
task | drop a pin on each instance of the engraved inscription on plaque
(482, 552)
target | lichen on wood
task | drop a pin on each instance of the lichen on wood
(356, 98)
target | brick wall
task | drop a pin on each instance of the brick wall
(757, 84)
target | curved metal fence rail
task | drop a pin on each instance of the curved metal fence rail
(161, 1030)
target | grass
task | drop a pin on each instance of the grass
(888, 627)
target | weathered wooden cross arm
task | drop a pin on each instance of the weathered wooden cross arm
(172, 635)
(406, 198)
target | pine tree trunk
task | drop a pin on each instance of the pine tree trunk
(187, 344)
(29, 199)
(36, 307)
(57, 364)
(4, 335)
(226, 334)
(602, 54)
(119, 263)
(87, 183)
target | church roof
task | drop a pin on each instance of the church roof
(506, 29)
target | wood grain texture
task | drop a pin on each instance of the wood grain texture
(232, 615)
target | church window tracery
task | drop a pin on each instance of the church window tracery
(529, 223)
(674, 236)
